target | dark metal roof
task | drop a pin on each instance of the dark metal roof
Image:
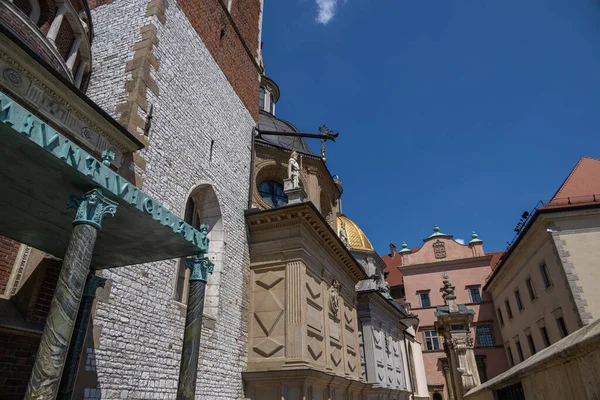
(268, 122)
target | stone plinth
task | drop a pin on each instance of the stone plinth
(294, 195)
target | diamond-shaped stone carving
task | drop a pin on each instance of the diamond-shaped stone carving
(315, 348)
(351, 363)
(313, 292)
(336, 356)
(267, 320)
(269, 280)
(349, 316)
(267, 347)
(267, 301)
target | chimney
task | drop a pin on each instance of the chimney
(392, 250)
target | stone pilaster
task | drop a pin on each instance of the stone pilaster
(52, 353)
(295, 341)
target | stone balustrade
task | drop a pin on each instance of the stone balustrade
(59, 32)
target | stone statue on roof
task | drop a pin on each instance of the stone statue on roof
(344, 235)
(294, 170)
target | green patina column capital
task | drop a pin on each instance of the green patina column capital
(91, 208)
(200, 267)
(92, 283)
(385, 291)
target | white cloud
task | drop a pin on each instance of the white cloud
(326, 10)
(459, 240)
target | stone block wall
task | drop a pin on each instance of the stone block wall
(200, 134)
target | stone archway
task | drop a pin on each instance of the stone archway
(203, 207)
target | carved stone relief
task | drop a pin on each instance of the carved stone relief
(439, 249)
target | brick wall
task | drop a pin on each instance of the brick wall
(17, 354)
(139, 328)
(40, 308)
(8, 253)
(234, 52)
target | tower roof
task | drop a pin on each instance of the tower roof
(356, 238)
(268, 122)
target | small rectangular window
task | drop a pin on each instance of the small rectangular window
(508, 309)
(519, 351)
(545, 336)
(484, 335)
(500, 317)
(425, 301)
(511, 360)
(475, 294)
(545, 276)
(531, 344)
(562, 327)
(432, 342)
(530, 289)
(518, 299)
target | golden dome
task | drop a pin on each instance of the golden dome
(357, 239)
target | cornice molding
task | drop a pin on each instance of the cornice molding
(307, 215)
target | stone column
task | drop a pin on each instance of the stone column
(295, 341)
(200, 267)
(77, 341)
(52, 353)
(56, 23)
(73, 53)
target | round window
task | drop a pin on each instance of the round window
(272, 193)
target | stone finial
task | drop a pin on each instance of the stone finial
(448, 294)
(436, 229)
(405, 248)
(475, 238)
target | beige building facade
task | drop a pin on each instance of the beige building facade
(321, 324)
(546, 286)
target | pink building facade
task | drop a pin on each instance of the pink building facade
(468, 266)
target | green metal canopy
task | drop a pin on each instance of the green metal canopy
(40, 169)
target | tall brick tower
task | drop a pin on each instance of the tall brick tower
(183, 75)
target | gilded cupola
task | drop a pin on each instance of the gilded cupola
(348, 231)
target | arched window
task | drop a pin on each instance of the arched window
(203, 207)
(271, 104)
(272, 193)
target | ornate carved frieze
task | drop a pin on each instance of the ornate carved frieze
(21, 83)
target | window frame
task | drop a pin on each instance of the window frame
(531, 343)
(545, 336)
(281, 196)
(488, 334)
(546, 278)
(562, 327)
(518, 299)
(500, 316)
(426, 293)
(530, 289)
(478, 288)
(430, 340)
(519, 350)
(509, 312)
(511, 358)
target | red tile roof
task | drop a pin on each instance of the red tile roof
(582, 186)
(495, 258)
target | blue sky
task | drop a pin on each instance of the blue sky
(461, 113)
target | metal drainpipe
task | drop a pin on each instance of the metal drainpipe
(251, 169)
